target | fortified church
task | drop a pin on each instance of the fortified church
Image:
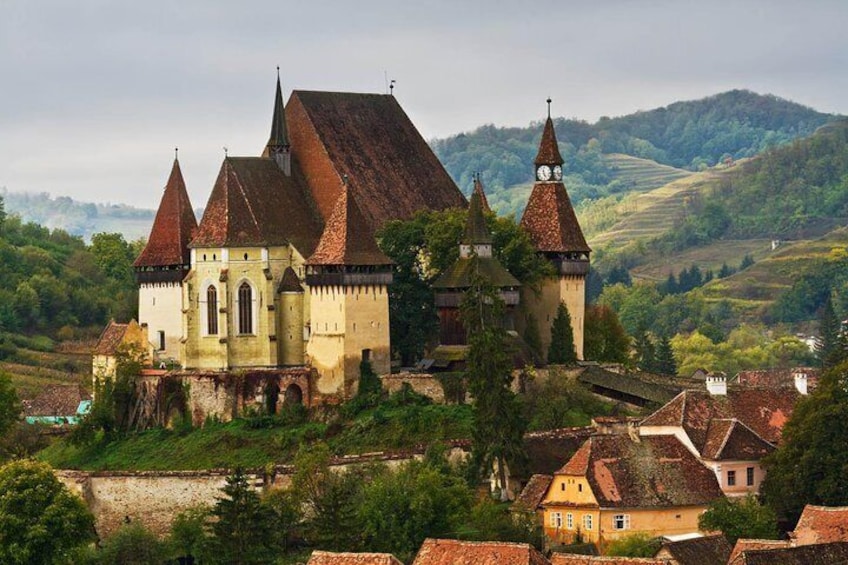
(281, 291)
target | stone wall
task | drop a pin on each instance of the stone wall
(154, 498)
(422, 383)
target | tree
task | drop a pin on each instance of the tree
(188, 540)
(2, 213)
(807, 468)
(740, 518)
(646, 355)
(665, 363)
(561, 350)
(242, 529)
(10, 407)
(499, 425)
(634, 545)
(747, 261)
(287, 515)
(827, 343)
(605, 338)
(132, 544)
(531, 335)
(40, 520)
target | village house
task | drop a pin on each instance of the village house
(455, 552)
(616, 485)
(347, 558)
(57, 405)
(115, 338)
(729, 429)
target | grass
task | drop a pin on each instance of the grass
(237, 443)
(31, 370)
(642, 175)
(709, 257)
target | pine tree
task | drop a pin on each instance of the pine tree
(725, 271)
(242, 532)
(827, 343)
(665, 363)
(646, 352)
(561, 350)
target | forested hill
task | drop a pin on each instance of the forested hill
(692, 135)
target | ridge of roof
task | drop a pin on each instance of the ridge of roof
(347, 237)
(173, 227)
(550, 221)
(548, 148)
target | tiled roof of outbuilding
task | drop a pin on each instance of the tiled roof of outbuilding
(752, 544)
(821, 524)
(254, 203)
(455, 552)
(173, 227)
(707, 550)
(57, 400)
(347, 238)
(819, 554)
(330, 558)
(551, 222)
(576, 559)
(656, 471)
(391, 170)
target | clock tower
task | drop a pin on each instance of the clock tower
(550, 222)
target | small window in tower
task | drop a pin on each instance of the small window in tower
(161, 340)
(154, 301)
(354, 326)
(204, 256)
(366, 355)
(245, 256)
(214, 257)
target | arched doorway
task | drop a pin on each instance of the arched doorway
(293, 395)
(272, 396)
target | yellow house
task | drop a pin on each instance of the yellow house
(114, 336)
(617, 485)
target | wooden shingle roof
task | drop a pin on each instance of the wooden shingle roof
(173, 227)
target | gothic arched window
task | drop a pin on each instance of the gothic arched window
(245, 300)
(211, 310)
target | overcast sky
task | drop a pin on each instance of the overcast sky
(94, 96)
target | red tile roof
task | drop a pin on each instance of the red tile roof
(455, 552)
(532, 494)
(329, 558)
(57, 400)
(730, 439)
(820, 554)
(110, 338)
(752, 544)
(775, 378)
(821, 524)
(764, 411)
(254, 204)
(656, 471)
(550, 221)
(575, 559)
(707, 550)
(173, 227)
(548, 148)
(347, 238)
(391, 170)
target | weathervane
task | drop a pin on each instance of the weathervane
(225, 152)
(176, 153)
(392, 87)
(549, 106)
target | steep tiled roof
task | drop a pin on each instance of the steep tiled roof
(329, 558)
(347, 238)
(173, 227)
(290, 282)
(548, 149)
(821, 524)
(707, 550)
(752, 544)
(532, 494)
(253, 203)
(550, 221)
(460, 274)
(476, 231)
(110, 338)
(455, 552)
(821, 554)
(730, 439)
(57, 400)
(480, 191)
(656, 471)
(764, 411)
(575, 559)
(392, 171)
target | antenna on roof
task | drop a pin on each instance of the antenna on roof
(176, 153)
(225, 152)
(278, 72)
(549, 106)
(392, 87)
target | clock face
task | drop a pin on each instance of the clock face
(557, 173)
(543, 172)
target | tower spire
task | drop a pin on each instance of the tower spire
(278, 146)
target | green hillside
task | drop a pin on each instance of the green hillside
(641, 175)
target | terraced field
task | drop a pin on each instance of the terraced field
(708, 257)
(642, 175)
(30, 371)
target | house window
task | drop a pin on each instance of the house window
(580, 487)
(245, 298)
(556, 520)
(750, 476)
(731, 478)
(562, 487)
(587, 521)
(569, 521)
(621, 522)
(212, 310)
(161, 336)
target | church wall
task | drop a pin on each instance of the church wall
(543, 306)
(160, 307)
(290, 341)
(367, 328)
(325, 350)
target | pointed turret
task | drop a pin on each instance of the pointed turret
(548, 149)
(476, 231)
(173, 228)
(347, 239)
(478, 189)
(278, 146)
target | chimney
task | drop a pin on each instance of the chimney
(717, 384)
(800, 381)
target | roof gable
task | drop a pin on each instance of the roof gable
(391, 170)
(254, 204)
(347, 238)
(110, 338)
(550, 221)
(730, 439)
(173, 227)
(533, 493)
